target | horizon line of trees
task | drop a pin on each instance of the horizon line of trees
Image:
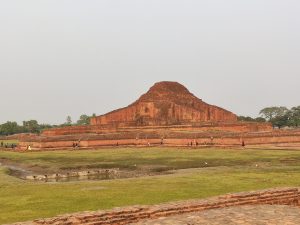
(32, 126)
(279, 117)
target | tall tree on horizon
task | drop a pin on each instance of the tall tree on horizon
(270, 113)
(69, 120)
(83, 120)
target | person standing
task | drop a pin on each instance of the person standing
(243, 144)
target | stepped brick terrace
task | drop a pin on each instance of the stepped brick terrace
(168, 114)
(166, 103)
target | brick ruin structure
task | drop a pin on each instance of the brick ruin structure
(168, 114)
(166, 103)
(128, 215)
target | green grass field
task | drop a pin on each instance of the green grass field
(208, 172)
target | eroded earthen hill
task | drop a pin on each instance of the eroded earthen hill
(166, 103)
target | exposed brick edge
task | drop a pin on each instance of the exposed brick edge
(122, 216)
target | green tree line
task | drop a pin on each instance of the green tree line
(32, 126)
(279, 116)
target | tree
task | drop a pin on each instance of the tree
(83, 120)
(31, 126)
(9, 128)
(69, 120)
(260, 120)
(267, 113)
(294, 115)
(270, 113)
(280, 121)
(250, 119)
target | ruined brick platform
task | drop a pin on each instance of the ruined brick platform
(148, 214)
(240, 215)
(162, 138)
(166, 103)
(167, 115)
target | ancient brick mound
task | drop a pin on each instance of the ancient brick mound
(166, 103)
(122, 216)
(168, 114)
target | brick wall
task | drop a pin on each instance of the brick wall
(221, 126)
(122, 216)
(179, 140)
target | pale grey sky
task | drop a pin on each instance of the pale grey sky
(73, 57)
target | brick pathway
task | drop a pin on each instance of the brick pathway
(246, 215)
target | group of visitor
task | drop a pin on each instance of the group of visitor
(75, 145)
(193, 143)
(6, 145)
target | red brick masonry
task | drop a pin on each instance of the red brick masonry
(154, 138)
(166, 103)
(122, 216)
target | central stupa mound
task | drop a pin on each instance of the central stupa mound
(168, 114)
(166, 103)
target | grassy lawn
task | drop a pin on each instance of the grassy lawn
(213, 172)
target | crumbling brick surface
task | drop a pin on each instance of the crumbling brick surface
(166, 103)
(122, 216)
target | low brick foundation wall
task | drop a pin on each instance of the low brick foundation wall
(122, 216)
(160, 138)
(202, 141)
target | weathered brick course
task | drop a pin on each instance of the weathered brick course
(166, 103)
(122, 216)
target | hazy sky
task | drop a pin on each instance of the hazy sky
(73, 57)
